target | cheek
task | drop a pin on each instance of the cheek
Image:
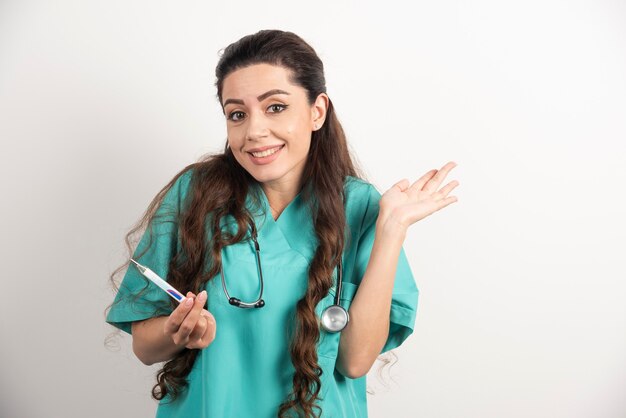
(235, 137)
(290, 128)
(235, 143)
(296, 130)
(241, 158)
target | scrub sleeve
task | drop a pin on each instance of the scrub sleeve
(405, 292)
(138, 298)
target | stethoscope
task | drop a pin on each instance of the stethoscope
(334, 318)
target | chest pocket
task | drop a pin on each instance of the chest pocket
(328, 345)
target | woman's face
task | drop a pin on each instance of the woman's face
(269, 122)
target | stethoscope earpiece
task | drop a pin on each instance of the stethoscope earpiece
(237, 302)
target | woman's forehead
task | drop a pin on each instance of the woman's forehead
(255, 80)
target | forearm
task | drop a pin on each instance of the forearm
(367, 331)
(150, 344)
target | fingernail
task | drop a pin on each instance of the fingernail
(189, 302)
(202, 296)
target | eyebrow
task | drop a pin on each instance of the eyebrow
(259, 98)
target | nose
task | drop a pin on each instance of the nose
(257, 127)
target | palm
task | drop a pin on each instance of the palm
(407, 203)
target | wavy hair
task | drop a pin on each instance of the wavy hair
(219, 187)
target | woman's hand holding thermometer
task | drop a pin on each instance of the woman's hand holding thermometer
(189, 325)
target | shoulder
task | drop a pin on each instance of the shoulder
(360, 191)
(362, 199)
(177, 189)
(184, 178)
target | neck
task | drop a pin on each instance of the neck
(279, 197)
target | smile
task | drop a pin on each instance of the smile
(265, 157)
(266, 152)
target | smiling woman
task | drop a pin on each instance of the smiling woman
(284, 195)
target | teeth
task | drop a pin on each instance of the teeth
(266, 152)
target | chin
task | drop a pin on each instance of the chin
(263, 178)
(259, 175)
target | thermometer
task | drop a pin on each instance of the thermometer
(159, 282)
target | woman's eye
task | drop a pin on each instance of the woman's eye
(236, 116)
(277, 108)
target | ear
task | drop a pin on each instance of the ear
(318, 111)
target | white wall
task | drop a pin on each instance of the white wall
(522, 280)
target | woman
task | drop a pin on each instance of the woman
(285, 185)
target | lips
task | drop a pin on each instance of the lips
(268, 158)
(264, 148)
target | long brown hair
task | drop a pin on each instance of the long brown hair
(219, 187)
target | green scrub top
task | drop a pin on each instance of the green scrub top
(247, 371)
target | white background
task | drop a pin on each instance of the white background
(522, 281)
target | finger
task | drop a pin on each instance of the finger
(433, 183)
(177, 317)
(209, 333)
(199, 329)
(445, 202)
(190, 321)
(402, 185)
(419, 184)
(203, 323)
(448, 188)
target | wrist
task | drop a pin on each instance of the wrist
(390, 229)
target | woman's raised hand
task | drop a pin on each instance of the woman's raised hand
(404, 203)
(190, 325)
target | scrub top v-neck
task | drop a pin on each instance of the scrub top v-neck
(247, 369)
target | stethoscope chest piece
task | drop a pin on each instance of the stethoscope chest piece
(334, 318)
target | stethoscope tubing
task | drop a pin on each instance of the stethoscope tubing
(334, 317)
